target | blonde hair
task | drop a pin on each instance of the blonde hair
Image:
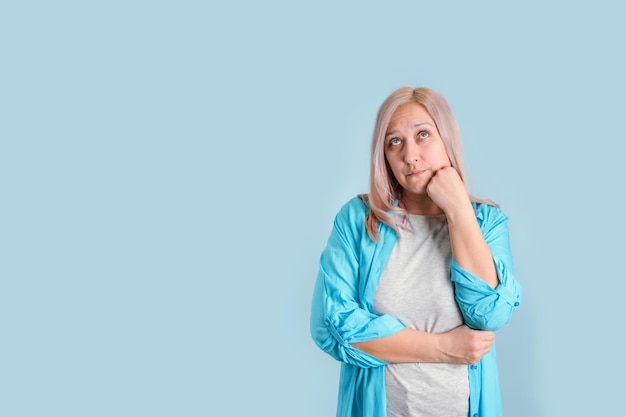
(384, 188)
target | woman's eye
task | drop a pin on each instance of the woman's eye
(423, 134)
(394, 141)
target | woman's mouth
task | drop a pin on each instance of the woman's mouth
(416, 172)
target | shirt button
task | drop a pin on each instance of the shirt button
(516, 304)
(475, 415)
(474, 367)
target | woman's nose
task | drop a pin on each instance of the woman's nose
(411, 156)
(411, 153)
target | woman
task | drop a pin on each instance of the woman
(416, 276)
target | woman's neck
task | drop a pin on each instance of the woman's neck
(419, 204)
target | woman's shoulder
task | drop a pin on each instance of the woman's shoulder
(488, 214)
(355, 209)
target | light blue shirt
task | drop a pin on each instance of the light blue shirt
(350, 269)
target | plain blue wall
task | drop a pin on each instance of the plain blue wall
(170, 170)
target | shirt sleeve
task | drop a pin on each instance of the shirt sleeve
(338, 318)
(484, 307)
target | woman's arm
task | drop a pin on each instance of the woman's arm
(469, 248)
(338, 318)
(484, 307)
(482, 265)
(461, 345)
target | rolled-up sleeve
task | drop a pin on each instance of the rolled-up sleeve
(484, 307)
(337, 317)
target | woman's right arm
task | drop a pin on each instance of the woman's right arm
(461, 345)
(337, 317)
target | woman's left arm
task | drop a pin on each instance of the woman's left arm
(482, 264)
(469, 248)
(485, 307)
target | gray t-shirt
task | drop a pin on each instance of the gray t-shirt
(415, 287)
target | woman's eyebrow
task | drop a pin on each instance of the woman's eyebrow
(393, 132)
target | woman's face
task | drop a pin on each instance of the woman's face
(413, 148)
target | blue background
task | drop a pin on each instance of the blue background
(169, 174)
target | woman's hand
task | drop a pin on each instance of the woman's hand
(463, 345)
(448, 191)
